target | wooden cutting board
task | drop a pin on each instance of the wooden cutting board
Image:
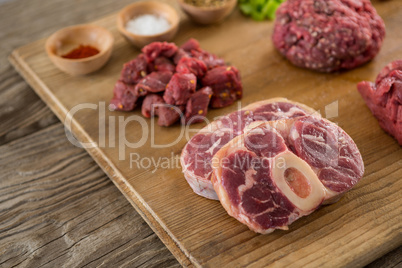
(364, 225)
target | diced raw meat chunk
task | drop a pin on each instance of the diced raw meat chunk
(191, 65)
(179, 55)
(197, 154)
(191, 44)
(264, 184)
(154, 82)
(177, 72)
(162, 64)
(124, 97)
(180, 89)
(210, 60)
(157, 49)
(169, 114)
(384, 98)
(226, 85)
(151, 104)
(197, 105)
(134, 70)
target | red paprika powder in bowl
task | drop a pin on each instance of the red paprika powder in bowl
(81, 52)
(80, 49)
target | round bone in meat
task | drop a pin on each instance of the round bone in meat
(297, 181)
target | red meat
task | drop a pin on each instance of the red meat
(191, 44)
(329, 151)
(179, 55)
(226, 85)
(328, 35)
(154, 82)
(266, 184)
(180, 89)
(124, 97)
(191, 65)
(197, 105)
(178, 72)
(210, 60)
(157, 49)
(384, 98)
(161, 64)
(395, 65)
(169, 114)
(197, 154)
(134, 70)
(151, 104)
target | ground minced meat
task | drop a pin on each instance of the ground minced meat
(328, 35)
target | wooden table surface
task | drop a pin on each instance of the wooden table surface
(57, 208)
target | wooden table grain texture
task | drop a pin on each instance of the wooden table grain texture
(57, 208)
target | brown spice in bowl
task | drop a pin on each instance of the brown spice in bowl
(206, 3)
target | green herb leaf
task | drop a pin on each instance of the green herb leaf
(260, 9)
(256, 15)
(246, 8)
(270, 8)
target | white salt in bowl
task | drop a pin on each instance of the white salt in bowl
(151, 8)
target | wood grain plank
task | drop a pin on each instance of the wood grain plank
(22, 113)
(389, 260)
(112, 171)
(57, 208)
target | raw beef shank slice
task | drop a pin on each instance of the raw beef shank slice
(264, 184)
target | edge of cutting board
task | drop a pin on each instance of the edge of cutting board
(110, 170)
